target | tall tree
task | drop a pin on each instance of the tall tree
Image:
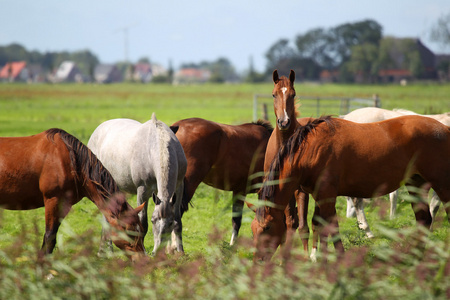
(315, 45)
(280, 50)
(440, 32)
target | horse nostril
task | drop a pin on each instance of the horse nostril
(283, 123)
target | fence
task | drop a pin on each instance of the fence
(317, 106)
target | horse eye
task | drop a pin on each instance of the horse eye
(273, 95)
(265, 229)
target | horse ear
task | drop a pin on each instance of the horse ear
(174, 128)
(275, 76)
(292, 76)
(139, 208)
(156, 199)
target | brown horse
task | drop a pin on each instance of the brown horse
(55, 170)
(286, 123)
(223, 156)
(333, 157)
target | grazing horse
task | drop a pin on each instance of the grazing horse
(334, 157)
(375, 114)
(55, 170)
(226, 157)
(148, 160)
(286, 123)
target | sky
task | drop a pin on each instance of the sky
(192, 31)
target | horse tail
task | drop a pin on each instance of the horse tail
(86, 166)
(265, 124)
(186, 200)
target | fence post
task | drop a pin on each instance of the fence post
(255, 107)
(377, 100)
(265, 115)
(318, 107)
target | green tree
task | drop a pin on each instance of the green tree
(363, 62)
(278, 52)
(440, 32)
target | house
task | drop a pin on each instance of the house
(191, 75)
(14, 71)
(142, 72)
(329, 76)
(68, 72)
(107, 73)
(158, 70)
(401, 69)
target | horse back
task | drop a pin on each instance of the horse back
(222, 155)
(368, 156)
(33, 168)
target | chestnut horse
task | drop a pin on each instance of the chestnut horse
(333, 157)
(226, 157)
(355, 206)
(286, 123)
(55, 170)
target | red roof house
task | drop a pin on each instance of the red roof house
(14, 71)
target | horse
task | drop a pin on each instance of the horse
(146, 159)
(330, 157)
(286, 123)
(53, 169)
(355, 206)
(226, 157)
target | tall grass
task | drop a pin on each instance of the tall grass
(388, 266)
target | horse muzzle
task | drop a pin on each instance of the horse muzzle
(283, 124)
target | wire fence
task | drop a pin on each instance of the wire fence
(311, 106)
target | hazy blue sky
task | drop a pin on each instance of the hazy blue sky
(196, 30)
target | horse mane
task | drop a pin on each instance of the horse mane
(265, 124)
(293, 144)
(85, 164)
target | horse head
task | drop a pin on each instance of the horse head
(126, 220)
(284, 100)
(268, 232)
(163, 220)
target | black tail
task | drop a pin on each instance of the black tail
(185, 200)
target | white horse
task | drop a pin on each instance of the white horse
(148, 160)
(355, 206)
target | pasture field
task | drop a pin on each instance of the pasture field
(210, 268)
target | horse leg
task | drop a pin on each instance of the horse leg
(330, 225)
(351, 213)
(420, 207)
(302, 200)
(393, 200)
(177, 233)
(291, 218)
(435, 202)
(142, 197)
(54, 213)
(315, 225)
(361, 217)
(236, 219)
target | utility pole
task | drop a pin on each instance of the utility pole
(125, 31)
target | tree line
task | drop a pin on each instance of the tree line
(348, 50)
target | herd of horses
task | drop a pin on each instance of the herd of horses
(367, 153)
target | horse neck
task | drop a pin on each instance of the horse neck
(91, 192)
(283, 136)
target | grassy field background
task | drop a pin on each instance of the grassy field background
(79, 109)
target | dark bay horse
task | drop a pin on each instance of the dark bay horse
(223, 156)
(55, 170)
(286, 123)
(330, 157)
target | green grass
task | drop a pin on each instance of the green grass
(79, 109)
